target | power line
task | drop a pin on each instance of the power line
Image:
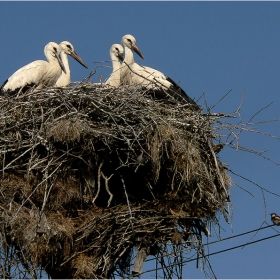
(238, 246)
(215, 253)
(224, 239)
(237, 235)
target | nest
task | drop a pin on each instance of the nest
(91, 175)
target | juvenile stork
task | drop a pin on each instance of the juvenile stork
(67, 49)
(39, 73)
(133, 73)
(116, 54)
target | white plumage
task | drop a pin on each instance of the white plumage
(67, 49)
(116, 54)
(133, 73)
(39, 73)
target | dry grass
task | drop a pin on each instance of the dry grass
(88, 174)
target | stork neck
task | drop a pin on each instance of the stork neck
(64, 79)
(50, 57)
(116, 63)
(129, 58)
(64, 58)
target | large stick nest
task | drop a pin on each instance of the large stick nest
(88, 174)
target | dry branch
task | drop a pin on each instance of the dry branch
(89, 174)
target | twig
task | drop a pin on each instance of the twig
(107, 188)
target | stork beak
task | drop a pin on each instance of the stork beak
(60, 62)
(120, 56)
(136, 49)
(78, 58)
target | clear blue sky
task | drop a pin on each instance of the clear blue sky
(209, 47)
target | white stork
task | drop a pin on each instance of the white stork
(116, 54)
(39, 73)
(67, 49)
(133, 73)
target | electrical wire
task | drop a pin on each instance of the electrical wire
(237, 235)
(218, 252)
(224, 239)
(222, 251)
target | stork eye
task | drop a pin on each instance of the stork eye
(55, 49)
(68, 46)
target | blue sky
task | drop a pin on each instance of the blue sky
(209, 48)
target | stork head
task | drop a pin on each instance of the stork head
(52, 51)
(68, 48)
(130, 42)
(116, 51)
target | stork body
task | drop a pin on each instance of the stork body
(39, 73)
(67, 49)
(116, 54)
(133, 73)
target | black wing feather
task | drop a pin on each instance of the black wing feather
(179, 93)
(2, 86)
